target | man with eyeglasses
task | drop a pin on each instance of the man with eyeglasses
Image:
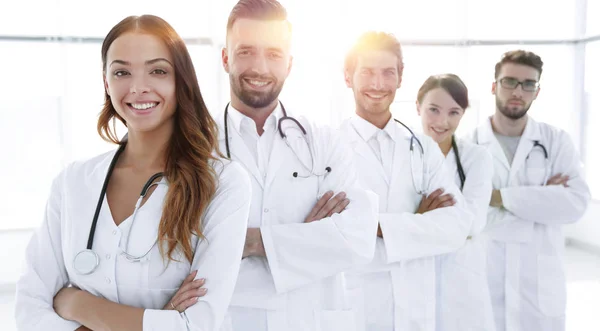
(538, 187)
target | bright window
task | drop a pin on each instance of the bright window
(521, 20)
(593, 18)
(592, 88)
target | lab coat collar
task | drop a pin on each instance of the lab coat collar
(485, 136)
(236, 118)
(530, 134)
(485, 133)
(360, 146)
(367, 131)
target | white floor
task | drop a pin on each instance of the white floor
(583, 309)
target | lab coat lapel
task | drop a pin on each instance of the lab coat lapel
(361, 148)
(279, 153)
(401, 156)
(530, 134)
(239, 151)
(485, 137)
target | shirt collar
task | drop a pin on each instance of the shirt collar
(238, 119)
(367, 130)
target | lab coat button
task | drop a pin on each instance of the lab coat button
(266, 210)
(114, 232)
(107, 280)
(108, 256)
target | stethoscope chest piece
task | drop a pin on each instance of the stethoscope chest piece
(85, 262)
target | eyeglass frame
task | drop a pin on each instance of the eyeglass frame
(537, 84)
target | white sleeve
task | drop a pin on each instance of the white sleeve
(409, 236)
(303, 253)
(553, 204)
(218, 257)
(478, 188)
(45, 272)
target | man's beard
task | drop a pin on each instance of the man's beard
(255, 99)
(507, 110)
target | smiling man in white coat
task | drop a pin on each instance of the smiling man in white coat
(421, 210)
(309, 219)
(538, 187)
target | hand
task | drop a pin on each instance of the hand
(558, 179)
(379, 232)
(496, 200)
(188, 293)
(435, 200)
(254, 244)
(64, 302)
(327, 206)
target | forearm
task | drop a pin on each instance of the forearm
(302, 253)
(545, 204)
(101, 314)
(411, 236)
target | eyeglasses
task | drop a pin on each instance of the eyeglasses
(512, 83)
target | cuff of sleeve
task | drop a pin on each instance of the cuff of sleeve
(267, 239)
(505, 194)
(63, 324)
(155, 320)
(388, 242)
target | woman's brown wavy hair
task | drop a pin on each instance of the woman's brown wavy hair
(192, 179)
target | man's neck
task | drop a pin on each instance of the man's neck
(507, 126)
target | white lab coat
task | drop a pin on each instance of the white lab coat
(525, 252)
(299, 286)
(400, 280)
(148, 284)
(464, 302)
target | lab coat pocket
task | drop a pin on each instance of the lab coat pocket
(552, 296)
(335, 320)
(534, 176)
(356, 297)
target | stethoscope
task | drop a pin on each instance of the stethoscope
(284, 137)
(414, 142)
(536, 143)
(87, 261)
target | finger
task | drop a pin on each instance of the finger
(188, 287)
(189, 292)
(554, 179)
(435, 194)
(564, 180)
(339, 207)
(319, 205)
(187, 304)
(330, 205)
(448, 203)
(190, 277)
(437, 203)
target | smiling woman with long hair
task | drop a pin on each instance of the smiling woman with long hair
(109, 257)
